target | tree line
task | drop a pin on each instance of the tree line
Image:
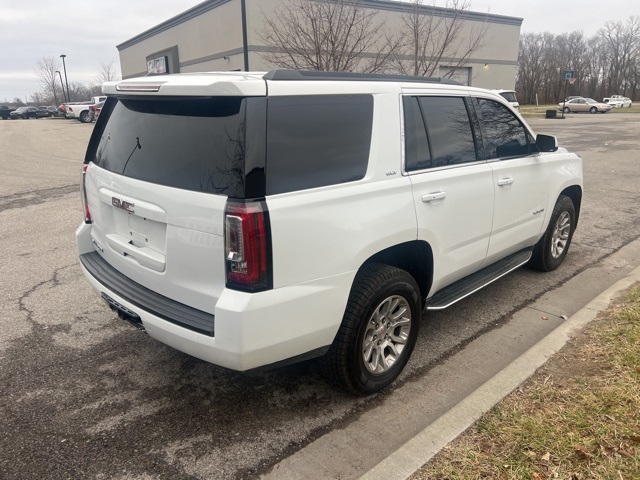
(605, 64)
(53, 88)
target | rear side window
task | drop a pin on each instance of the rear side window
(318, 140)
(418, 155)
(189, 143)
(502, 133)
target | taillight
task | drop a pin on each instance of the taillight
(83, 192)
(247, 246)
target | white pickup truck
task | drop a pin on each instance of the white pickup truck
(80, 110)
(617, 101)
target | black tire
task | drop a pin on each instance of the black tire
(593, 110)
(85, 117)
(566, 110)
(376, 286)
(551, 249)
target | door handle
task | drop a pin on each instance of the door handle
(505, 181)
(432, 197)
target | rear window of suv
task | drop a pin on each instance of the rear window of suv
(239, 147)
(189, 143)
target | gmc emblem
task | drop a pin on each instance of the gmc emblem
(122, 204)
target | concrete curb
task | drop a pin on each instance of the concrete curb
(402, 463)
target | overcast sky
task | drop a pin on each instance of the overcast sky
(88, 31)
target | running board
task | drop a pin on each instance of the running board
(474, 282)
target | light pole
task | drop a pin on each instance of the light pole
(245, 47)
(65, 76)
(64, 95)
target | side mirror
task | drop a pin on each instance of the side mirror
(546, 143)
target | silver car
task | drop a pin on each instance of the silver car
(584, 105)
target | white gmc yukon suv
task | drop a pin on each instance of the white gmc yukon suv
(253, 220)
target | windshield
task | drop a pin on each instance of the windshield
(590, 100)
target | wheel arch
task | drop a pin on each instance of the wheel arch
(574, 192)
(415, 257)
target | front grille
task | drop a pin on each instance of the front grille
(145, 299)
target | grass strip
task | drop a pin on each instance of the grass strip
(577, 418)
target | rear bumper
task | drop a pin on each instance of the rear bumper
(144, 299)
(251, 330)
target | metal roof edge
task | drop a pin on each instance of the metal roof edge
(373, 4)
(400, 6)
(172, 22)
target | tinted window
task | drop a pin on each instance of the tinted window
(449, 130)
(417, 153)
(502, 133)
(509, 96)
(193, 143)
(317, 140)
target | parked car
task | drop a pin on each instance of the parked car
(81, 110)
(581, 104)
(94, 111)
(618, 101)
(24, 113)
(46, 111)
(509, 96)
(5, 112)
(254, 220)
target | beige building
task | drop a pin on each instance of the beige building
(209, 37)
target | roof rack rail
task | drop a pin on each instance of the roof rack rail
(283, 74)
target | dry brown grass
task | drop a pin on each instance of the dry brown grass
(577, 418)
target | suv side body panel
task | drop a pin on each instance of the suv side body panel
(373, 213)
(522, 187)
(458, 225)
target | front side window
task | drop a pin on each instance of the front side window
(502, 133)
(317, 140)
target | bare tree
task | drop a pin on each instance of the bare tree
(432, 38)
(328, 35)
(106, 73)
(623, 45)
(46, 70)
(531, 61)
(603, 64)
(79, 92)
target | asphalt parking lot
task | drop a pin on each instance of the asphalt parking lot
(84, 395)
